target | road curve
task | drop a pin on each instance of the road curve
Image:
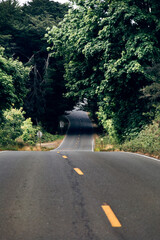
(79, 195)
(80, 133)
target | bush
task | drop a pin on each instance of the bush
(15, 130)
(48, 137)
(147, 141)
(11, 126)
(29, 132)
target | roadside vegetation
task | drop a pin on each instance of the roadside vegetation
(18, 133)
(111, 57)
(31, 82)
(147, 141)
(54, 55)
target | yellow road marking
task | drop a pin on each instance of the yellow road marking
(57, 152)
(111, 216)
(78, 171)
(64, 156)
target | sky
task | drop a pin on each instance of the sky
(23, 1)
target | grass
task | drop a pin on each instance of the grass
(47, 138)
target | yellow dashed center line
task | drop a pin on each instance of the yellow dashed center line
(78, 171)
(111, 216)
(106, 208)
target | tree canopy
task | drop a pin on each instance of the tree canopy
(22, 30)
(13, 78)
(105, 51)
(107, 47)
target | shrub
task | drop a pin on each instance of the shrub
(11, 126)
(147, 141)
(29, 132)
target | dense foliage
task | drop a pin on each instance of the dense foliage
(17, 131)
(147, 140)
(13, 79)
(11, 126)
(29, 76)
(104, 51)
(22, 30)
(108, 47)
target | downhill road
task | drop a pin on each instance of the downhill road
(72, 193)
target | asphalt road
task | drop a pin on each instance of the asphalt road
(79, 136)
(71, 194)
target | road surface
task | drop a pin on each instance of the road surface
(80, 133)
(71, 194)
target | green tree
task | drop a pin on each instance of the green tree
(10, 15)
(37, 16)
(22, 34)
(41, 7)
(107, 47)
(132, 47)
(152, 92)
(76, 39)
(13, 77)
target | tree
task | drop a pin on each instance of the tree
(13, 77)
(37, 16)
(152, 92)
(132, 47)
(43, 7)
(107, 46)
(76, 39)
(22, 33)
(10, 15)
